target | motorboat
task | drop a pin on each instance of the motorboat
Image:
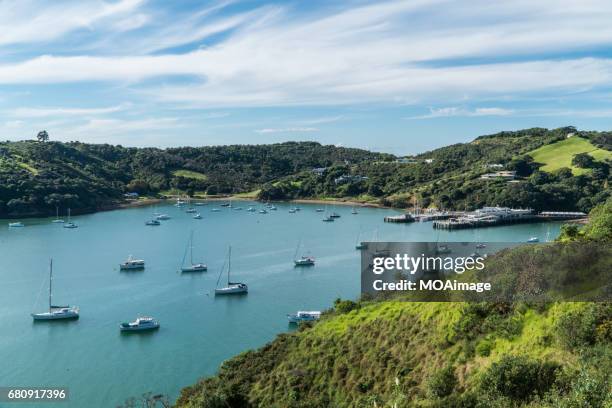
(304, 316)
(132, 264)
(142, 323)
(163, 217)
(17, 224)
(153, 223)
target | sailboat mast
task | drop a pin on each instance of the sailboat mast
(50, 280)
(229, 264)
(191, 248)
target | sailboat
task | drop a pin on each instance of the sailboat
(56, 312)
(354, 211)
(70, 224)
(360, 245)
(232, 288)
(192, 267)
(304, 260)
(57, 219)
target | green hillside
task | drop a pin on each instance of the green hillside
(37, 177)
(404, 354)
(560, 154)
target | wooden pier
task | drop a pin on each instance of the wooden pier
(465, 223)
(402, 219)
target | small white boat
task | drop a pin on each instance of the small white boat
(251, 209)
(533, 240)
(328, 219)
(237, 208)
(272, 208)
(232, 288)
(354, 211)
(292, 211)
(190, 210)
(17, 224)
(304, 316)
(132, 264)
(163, 217)
(70, 224)
(304, 261)
(140, 324)
(320, 210)
(153, 223)
(198, 216)
(199, 203)
(334, 215)
(480, 245)
(56, 312)
(263, 211)
(215, 210)
(57, 219)
(192, 267)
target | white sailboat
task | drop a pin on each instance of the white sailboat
(56, 312)
(57, 219)
(70, 224)
(232, 288)
(192, 267)
(304, 260)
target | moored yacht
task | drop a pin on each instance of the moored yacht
(197, 216)
(193, 266)
(56, 312)
(304, 316)
(163, 217)
(533, 240)
(304, 261)
(17, 224)
(328, 218)
(232, 288)
(141, 323)
(70, 224)
(132, 264)
(153, 223)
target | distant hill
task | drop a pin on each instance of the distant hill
(37, 177)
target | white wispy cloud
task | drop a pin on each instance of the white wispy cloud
(287, 130)
(453, 111)
(360, 54)
(62, 111)
(34, 21)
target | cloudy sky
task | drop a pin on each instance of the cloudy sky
(396, 76)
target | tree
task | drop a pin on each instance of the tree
(42, 136)
(583, 160)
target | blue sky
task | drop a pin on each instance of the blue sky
(395, 76)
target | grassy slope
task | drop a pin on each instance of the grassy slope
(560, 154)
(354, 359)
(189, 174)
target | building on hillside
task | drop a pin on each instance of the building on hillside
(319, 171)
(494, 166)
(504, 174)
(406, 160)
(347, 178)
(429, 161)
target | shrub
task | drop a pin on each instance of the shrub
(344, 306)
(519, 377)
(483, 348)
(442, 383)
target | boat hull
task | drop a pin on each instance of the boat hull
(139, 328)
(232, 290)
(55, 316)
(195, 268)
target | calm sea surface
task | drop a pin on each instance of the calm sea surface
(198, 331)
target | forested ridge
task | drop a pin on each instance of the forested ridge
(38, 176)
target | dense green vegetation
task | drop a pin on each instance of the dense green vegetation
(408, 354)
(449, 177)
(37, 176)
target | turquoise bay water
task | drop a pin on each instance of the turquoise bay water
(198, 331)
